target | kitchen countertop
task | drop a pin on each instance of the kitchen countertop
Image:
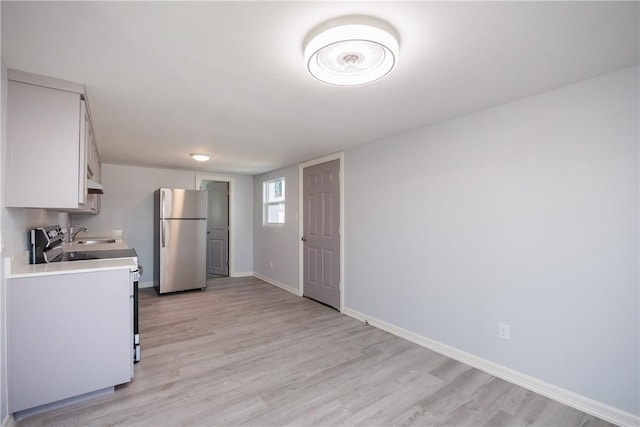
(19, 266)
(76, 247)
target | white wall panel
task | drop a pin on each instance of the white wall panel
(525, 214)
(275, 251)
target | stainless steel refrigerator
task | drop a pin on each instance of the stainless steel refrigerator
(180, 236)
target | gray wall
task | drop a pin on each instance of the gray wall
(128, 205)
(527, 214)
(277, 244)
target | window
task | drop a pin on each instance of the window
(273, 202)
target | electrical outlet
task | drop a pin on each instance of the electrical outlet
(270, 264)
(504, 331)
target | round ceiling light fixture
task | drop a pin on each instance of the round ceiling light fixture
(352, 54)
(200, 157)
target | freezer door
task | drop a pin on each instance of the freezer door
(183, 254)
(177, 203)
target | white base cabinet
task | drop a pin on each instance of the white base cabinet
(69, 334)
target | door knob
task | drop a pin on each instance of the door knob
(304, 238)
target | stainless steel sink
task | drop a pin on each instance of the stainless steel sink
(95, 241)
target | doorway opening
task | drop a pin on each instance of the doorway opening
(218, 225)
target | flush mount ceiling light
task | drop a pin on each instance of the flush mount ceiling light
(200, 157)
(352, 54)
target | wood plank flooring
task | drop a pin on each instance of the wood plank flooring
(246, 353)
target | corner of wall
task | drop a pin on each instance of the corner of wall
(4, 404)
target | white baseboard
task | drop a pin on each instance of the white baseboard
(19, 415)
(241, 274)
(142, 285)
(8, 421)
(277, 284)
(566, 397)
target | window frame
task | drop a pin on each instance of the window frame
(276, 201)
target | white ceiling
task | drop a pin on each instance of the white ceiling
(168, 78)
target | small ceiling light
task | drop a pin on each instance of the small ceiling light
(200, 157)
(352, 54)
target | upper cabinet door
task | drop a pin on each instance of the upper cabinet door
(44, 147)
(84, 147)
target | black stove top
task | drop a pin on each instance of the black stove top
(87, 255)
(46, 246)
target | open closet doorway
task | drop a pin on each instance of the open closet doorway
(217, 227)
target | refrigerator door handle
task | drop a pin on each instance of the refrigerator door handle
(162, 232)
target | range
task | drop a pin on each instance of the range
(46, 247)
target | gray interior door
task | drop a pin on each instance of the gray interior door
(218, 228)
(321, 228)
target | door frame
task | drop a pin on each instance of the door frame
(339, 156)
(199, 180)
(214, 188)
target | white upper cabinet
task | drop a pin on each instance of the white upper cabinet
(50, 142)
(92, 203)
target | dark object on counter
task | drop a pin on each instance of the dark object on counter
(45, 244)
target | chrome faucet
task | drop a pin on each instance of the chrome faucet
(73, 232)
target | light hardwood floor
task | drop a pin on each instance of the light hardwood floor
(243, 352)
